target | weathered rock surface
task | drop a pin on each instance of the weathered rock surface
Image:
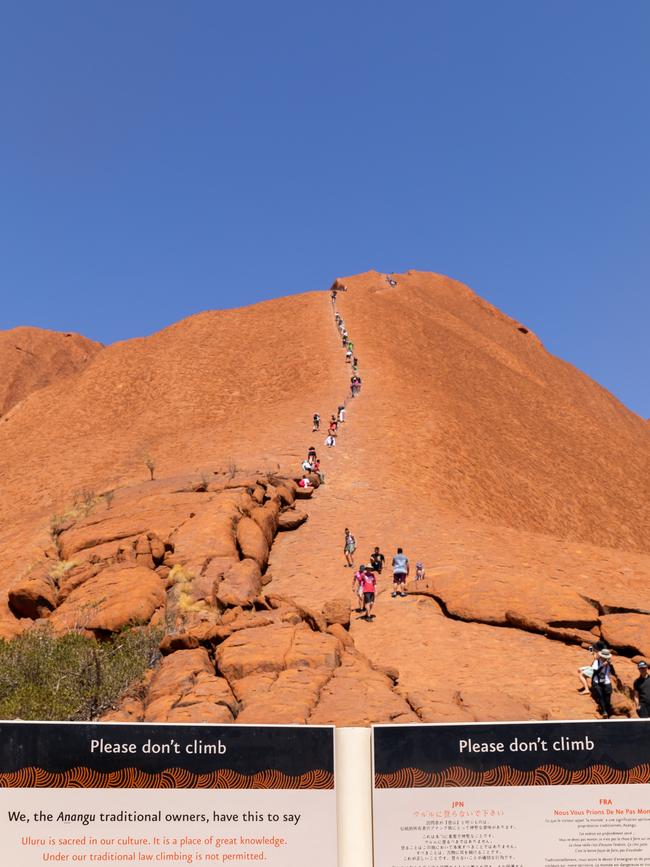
(252, 542)
(522, 486)
(186, 689)
(628, 633)
(34, 595)
(111, 600)
(33, 358)
(291, 519)
(241, 584)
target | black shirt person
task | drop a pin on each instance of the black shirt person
(642, 691)
(377, 561)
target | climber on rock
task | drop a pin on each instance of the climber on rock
(357, 588)
(315, 422)
(601, 682)
(349, 547)
(585, 672)
(642, 691)
(377, 560)
(369, 585)
(400, 572)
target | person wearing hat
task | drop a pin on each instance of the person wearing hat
(642, 691)
(601, 681)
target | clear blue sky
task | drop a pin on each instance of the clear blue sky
(159, 158)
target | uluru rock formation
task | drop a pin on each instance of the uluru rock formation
(158, 484)
(31, 358)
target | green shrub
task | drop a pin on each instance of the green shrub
(71, 677)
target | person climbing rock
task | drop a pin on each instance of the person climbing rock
(349, 547)
(355, 364)
(357, 588)
(333, 296)
(585, 672)
(400, 571)
(377, 560)
(311, 455)
(306, 466)
(348, 356)
(341, 414)
(316, 469)
(642, 691)
(419, 572)
(304, 482)
(601, 682)
(369, 585)
(330, 441)
(315, 422)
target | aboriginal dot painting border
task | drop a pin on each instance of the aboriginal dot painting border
(504, 775)
(172, 778)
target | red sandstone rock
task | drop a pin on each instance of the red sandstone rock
(186, 689)
(34, 595)
(252, 543)
(628, 633)
(32, 359)
(530, 498)
(291, 519)
(241, 584)
(111, 600)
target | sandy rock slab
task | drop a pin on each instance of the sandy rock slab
(111, 600)
(277, 672)
(358, 695)
(628, 633)
(186, 689)
(500, 599)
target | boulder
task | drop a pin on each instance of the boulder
(291, 519)
(112, 599)
(241, 584)
(209, 533)
(285, 493)
(337, 611)
(252, 542)
(33, 596)
(143, 555)
(266, 518)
